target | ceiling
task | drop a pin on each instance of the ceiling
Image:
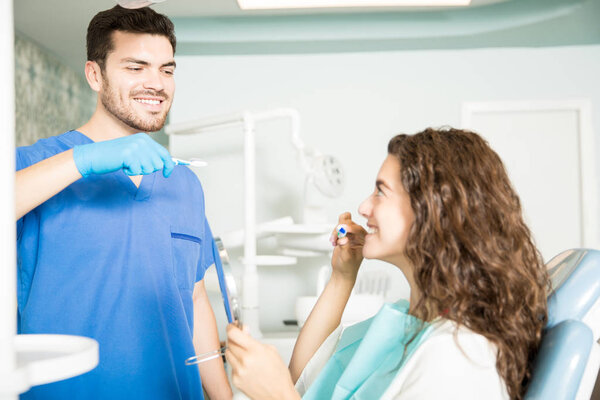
(206, 8)
(220, 27)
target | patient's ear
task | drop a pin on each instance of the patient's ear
(93, 74)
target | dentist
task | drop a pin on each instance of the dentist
(112, 237)
(444, 212)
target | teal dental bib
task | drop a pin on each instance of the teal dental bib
(370, 354)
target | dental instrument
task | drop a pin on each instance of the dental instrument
(230, 299)
(192, 162)
(209, 355)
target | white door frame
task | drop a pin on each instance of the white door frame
(583, 108)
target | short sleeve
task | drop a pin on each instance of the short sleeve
(207, 254)
(20, 159)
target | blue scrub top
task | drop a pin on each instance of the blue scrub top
(117, 263)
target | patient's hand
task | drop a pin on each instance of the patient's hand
(347, 255)
(258, 371)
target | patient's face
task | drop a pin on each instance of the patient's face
(389, 215)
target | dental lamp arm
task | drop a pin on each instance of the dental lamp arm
(327, 313)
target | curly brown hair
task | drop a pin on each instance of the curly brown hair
(473, 257)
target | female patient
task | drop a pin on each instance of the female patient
(444, 212)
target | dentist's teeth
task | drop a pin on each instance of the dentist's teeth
(154, 102)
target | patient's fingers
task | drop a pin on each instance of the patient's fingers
(344, 220)
(354, 233)
(232, 358)
(235, 336)
(239, 337)
(235, 351)
(345, 217)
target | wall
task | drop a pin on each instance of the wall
(50, 97)
(351, 104)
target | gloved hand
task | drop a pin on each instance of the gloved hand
(136, 154)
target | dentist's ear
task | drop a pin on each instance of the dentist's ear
(93, 74)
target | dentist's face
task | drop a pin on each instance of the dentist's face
(389, 215)
(137, 82)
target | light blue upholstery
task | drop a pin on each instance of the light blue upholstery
(561, 361)
(567, 342)
(576, 285)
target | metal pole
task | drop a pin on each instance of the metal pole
(250, 277)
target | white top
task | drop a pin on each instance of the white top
(449, 364)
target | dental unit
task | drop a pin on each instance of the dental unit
(323, 172)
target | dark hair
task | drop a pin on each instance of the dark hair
(473, 257)
(141, 20)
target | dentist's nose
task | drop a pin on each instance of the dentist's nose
(154, 81)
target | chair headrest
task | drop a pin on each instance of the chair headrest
(561, 361)
(575, 277)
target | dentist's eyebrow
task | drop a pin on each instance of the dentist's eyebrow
(146, 63)
(134, 61)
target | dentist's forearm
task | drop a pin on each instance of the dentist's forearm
(324, 318)
(39, 182)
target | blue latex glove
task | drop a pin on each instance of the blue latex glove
(136, 154)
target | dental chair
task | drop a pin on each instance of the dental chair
(568, 361)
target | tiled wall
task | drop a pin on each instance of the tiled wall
(50, 97)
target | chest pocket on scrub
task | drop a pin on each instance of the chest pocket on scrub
(185, 244)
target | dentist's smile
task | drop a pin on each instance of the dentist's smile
(151, 104)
